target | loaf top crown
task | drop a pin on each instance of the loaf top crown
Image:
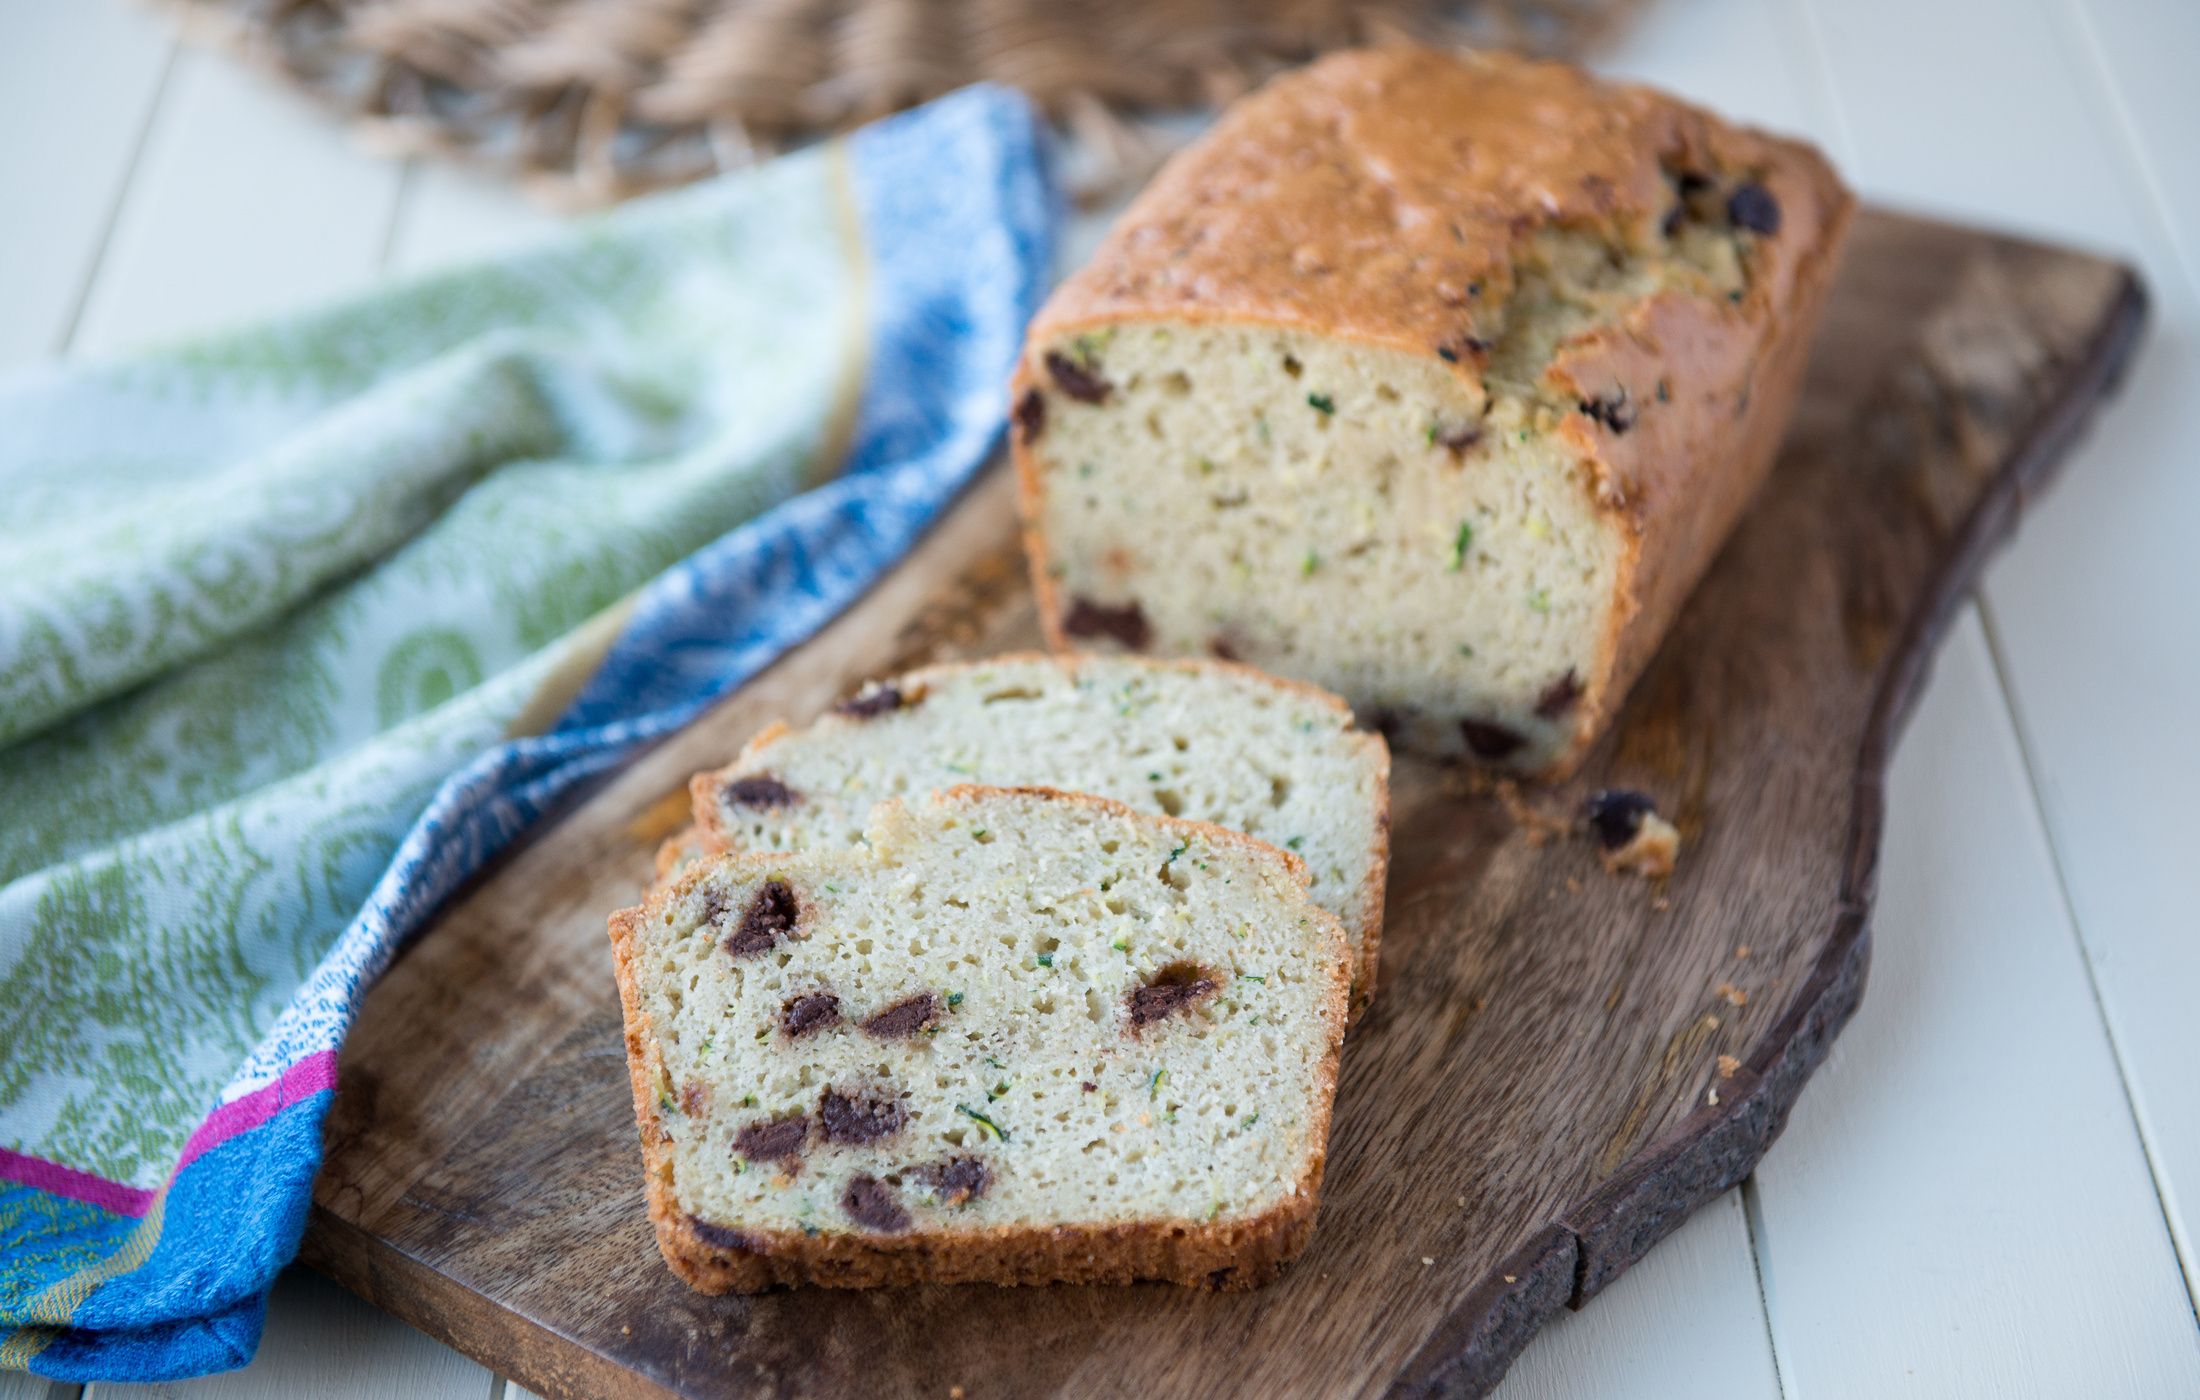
(1386, 195)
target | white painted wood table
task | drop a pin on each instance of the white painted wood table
(1992, 1188)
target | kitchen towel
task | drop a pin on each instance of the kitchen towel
(300, 624)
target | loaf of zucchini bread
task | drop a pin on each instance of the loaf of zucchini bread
(1018, 1036)
(1203, 740)
(1436, 380)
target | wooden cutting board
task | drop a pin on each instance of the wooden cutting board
(1560, 1065)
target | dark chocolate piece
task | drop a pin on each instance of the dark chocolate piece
(1384, 720)
(1559, 696)
(772, 912)
(1752, 206)
(852, 1119)
(720, 1237)
(774, 1140)
(762, 791)
(958, 1180)
(1614, 411)
(1078, 381)
(1171, 989)
(1031, 416)
(1490, 741)
(872, 1204)
(805, 1014)
(1458, 439)
(904, 1018)
(878, 700)
(1615, 815)
(1127, 624)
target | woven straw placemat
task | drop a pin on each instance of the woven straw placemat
(588, 101)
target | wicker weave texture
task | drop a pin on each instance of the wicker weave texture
(589, 101)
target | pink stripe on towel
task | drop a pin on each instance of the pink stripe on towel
(57, 1180)
(300, 1082)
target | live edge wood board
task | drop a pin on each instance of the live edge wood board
(1560, 1063)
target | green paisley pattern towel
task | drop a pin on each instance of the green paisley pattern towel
(300, 624)
(262, 594)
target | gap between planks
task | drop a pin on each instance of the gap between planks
(2108, 795)
(98, 71)
(2164, 83)
(390, 1359)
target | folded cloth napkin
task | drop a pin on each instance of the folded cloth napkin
(299, 625)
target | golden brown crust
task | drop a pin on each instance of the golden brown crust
(1222, 1254)
(1688, 475)
(703, 788)
(1227, 1255)
(678, 849)
(710, 832)
(1375, 890)
(1384, 197)
(642, 1068)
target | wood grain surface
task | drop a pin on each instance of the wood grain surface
(1538, 1094)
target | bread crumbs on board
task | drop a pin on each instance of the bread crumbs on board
(1539, 826)
(1652, 851)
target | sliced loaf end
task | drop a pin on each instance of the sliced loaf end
(1205, 740)
(1021, 1036)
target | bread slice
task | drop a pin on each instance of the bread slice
(1207, 741)
(1016, 1036)
(1433, 379)
(680, 851)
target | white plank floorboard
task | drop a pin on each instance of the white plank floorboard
(77, 86)
(14, 1385)
(326, 1344)
(1685, 1323)
(452, 216)
(2143, 51)
(1741, 58)
(1689, 1320)
(1960, 1205)
(2104, 676)
(1976, 113)
(246, 202)
(2089, 612)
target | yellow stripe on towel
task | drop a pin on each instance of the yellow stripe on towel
(855, 326)
(56, 1306)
